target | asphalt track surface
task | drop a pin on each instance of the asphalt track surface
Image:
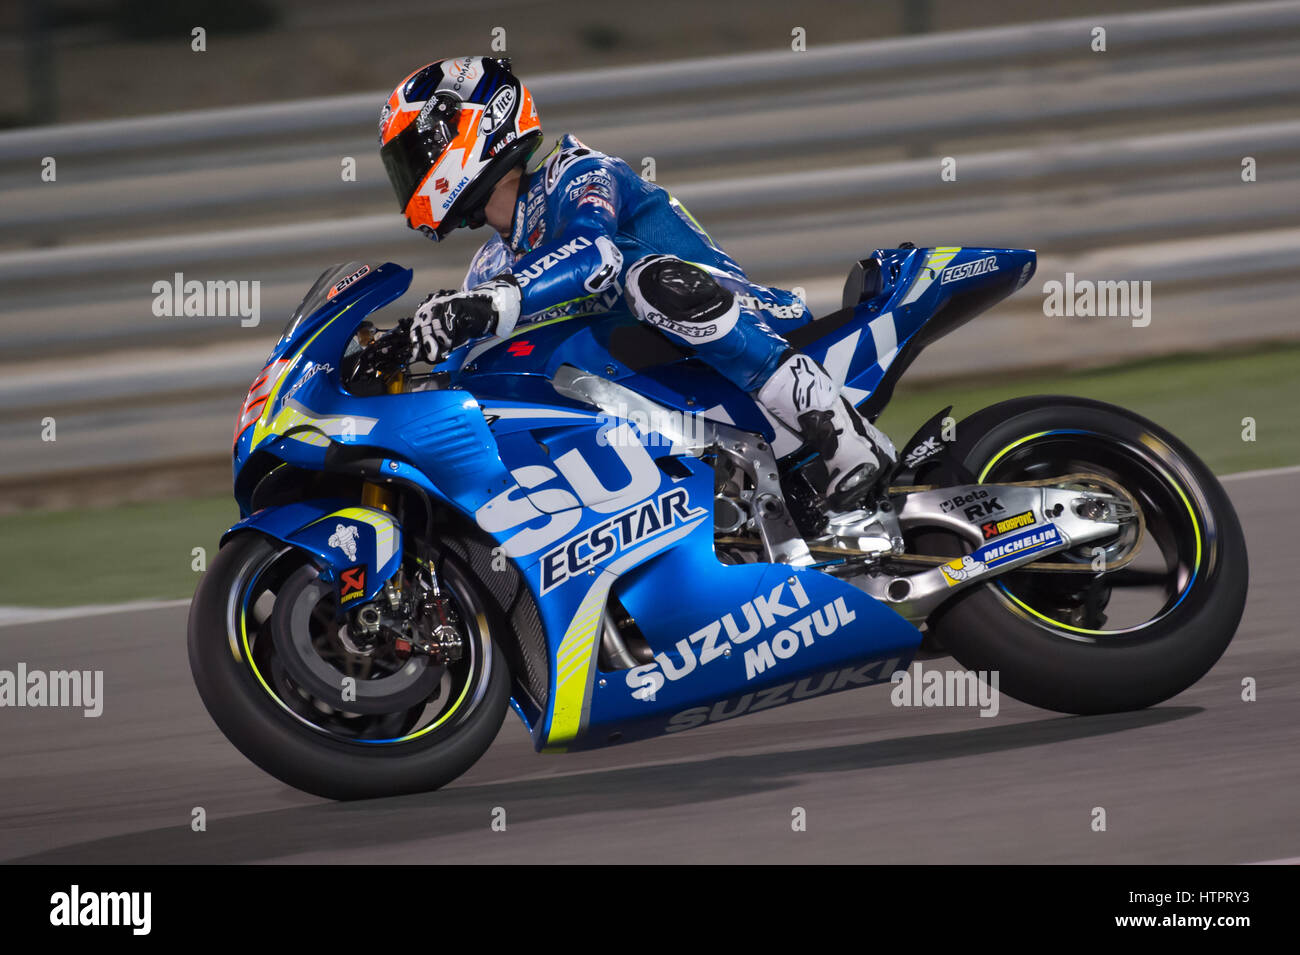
(1205, 777)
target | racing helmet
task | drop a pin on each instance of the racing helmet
(447, 135)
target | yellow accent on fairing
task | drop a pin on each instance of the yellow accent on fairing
(941, 256)
(935, 260)
(533, 326)
(573, 666)
(264, 426)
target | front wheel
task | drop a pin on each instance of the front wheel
(319, 709)
(1101, 640)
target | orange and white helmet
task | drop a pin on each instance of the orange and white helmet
(447, 135)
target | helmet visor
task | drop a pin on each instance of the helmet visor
(409, 155)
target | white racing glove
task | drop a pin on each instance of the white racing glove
(447, 319)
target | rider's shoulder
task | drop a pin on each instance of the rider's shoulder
(570, 158)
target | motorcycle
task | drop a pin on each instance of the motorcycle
(584, 523)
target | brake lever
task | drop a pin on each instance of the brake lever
(384, 355)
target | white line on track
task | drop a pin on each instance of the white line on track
(12, 616)
(1266, 472)
(1294, 860)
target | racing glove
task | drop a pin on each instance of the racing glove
(447, 319)
(381, 354)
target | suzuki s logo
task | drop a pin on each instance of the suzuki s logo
(639, 511)
(454, 193)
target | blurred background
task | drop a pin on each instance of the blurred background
(227, 163)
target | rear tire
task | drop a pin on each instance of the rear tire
(1056, 666)
(284, 745)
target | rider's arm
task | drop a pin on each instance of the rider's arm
(581, 260)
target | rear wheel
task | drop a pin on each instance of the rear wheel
(323, 710)
(1143, 619)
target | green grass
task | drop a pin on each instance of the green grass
(140, 551)
(1201, 399)
(108, 555)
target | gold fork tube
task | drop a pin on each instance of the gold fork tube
(377, 495)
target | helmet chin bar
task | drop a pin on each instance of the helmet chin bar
(471, 220)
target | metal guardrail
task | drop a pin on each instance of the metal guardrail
(836, 186)
(995, 45)
(1071, 154)
(769, 126)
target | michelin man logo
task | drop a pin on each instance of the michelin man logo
(964, 569)
(345, 539)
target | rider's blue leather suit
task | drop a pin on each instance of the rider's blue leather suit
(584, 219)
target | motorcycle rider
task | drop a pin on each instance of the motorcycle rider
(575, 229)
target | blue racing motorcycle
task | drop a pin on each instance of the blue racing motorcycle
(586, 523)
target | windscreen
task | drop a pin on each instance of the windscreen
(331, 281)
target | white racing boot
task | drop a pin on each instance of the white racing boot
(802, 396)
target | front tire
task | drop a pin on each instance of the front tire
(342, 755)
(1052, 637)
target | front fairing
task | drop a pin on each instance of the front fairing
(299, 413)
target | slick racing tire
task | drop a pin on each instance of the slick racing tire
(255, 701)
(1098, 642)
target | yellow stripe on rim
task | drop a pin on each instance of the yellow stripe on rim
(1010, 447)
(451, 711)
(1196, 529)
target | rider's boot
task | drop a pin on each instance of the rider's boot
(857, 455)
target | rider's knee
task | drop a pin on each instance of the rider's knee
(682, 299)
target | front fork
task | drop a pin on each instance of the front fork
(379, 496)
(445, 641)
